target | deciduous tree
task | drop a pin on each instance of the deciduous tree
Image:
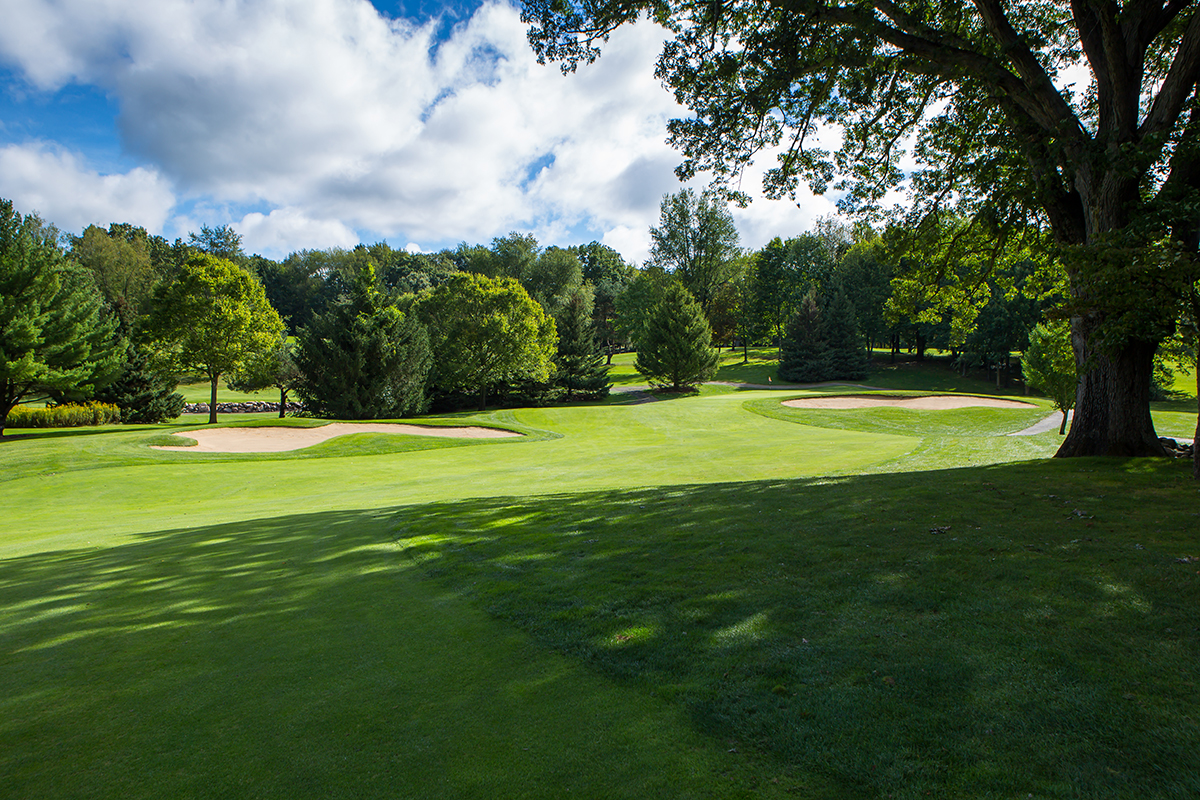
(1107, 165)
(277, 368)
(1049, 365)
(697, 241)
(485, 331)
(211, 319)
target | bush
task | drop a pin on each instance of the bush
(64, 416)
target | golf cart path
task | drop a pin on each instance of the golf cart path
(1048, 424)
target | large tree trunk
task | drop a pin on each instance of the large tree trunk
(1112, 403)
(282, 402)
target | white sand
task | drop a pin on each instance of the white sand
(278, 439)
(932, 403)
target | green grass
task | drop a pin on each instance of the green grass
(706, 596)
(201, 392)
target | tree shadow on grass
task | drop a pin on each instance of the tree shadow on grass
(302, 657)
(1022, 628)
(962, 632)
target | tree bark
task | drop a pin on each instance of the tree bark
(1112, 403)
(282, 402)
(212, 406)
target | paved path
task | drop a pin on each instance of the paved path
(1050, 423)
(641, 394)
(821, 385)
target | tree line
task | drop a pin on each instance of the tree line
(376, 332)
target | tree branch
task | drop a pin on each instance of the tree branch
(1178, 85)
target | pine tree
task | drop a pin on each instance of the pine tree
(803, 352)
(54, 335)
(581, 369)
(844, 355)
(144, 395)
(364, 358)
(676, 348)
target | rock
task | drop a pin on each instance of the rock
(1176, 448)
(250, 407)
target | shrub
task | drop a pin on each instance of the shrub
(64, 416)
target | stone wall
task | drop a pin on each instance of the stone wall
(254, 407)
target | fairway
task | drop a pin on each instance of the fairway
(680, 441)
(711, 595)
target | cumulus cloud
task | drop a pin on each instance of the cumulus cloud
(286, 230)
(346, 122)
(38, 177)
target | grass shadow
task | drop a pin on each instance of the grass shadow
(973, 632)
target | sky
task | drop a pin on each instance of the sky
(308, 124)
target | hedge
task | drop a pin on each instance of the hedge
(64, 416)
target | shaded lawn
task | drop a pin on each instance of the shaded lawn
(655, 603)
(984, 632)
(302, 657)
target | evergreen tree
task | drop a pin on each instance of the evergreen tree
(364, 358)
(54, 336)
(581, 369)
(144, 395)
(805, 345)
(676, 346)
(845, 358)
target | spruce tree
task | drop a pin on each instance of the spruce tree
(364, 358)
(54, 334)
(144, 395)
(844, 355)
(802, 356)
(581, 369)
(676, 347)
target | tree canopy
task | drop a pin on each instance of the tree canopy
(697, 241)
(1005, 133)
(485, 331)
(211, 319)
(54, 335)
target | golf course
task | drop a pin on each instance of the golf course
(694, 595)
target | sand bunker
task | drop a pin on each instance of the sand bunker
(278, 439)
(932, 403)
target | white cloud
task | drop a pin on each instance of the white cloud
(286, 230)
(41, 178)
(343, 120)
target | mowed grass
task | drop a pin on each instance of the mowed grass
(704, 596)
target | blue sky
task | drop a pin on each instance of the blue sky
(320, 123)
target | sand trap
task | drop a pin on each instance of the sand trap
(278, 439)
(932, 403)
